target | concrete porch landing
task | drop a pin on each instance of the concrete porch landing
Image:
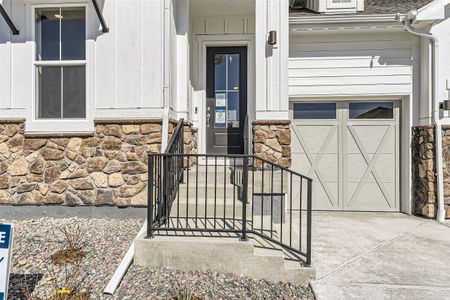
(380, 256)
(221, 252)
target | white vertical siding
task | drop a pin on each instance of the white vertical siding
(20, 60)
(105, 61)
(350, 64)
(5, 62)
(271, 69)
(129, 59)
(124, 66)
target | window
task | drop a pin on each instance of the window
(60, 62)
(309, 111)
(371, 110)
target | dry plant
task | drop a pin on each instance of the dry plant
(70, 286)
(185, 294)
(72, 252)
(67, 278)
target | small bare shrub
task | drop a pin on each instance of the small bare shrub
(67, 278)
(185, 294)
(72, 252)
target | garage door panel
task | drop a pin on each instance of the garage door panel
(353, 162)
(317, 156)
(321, 199)
(317, 138)
(385, 166)
(369, 137)
(301, 163)
(296, 147)
(320, 192)
(355, 167)
(328, 167)
(373, 200)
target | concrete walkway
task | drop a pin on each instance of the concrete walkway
(380, 256)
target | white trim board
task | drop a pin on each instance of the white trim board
(199, 63)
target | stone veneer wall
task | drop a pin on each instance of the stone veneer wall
(423, 171)
(190, 136)
(107, 167)
(446, 167)
(272, 141)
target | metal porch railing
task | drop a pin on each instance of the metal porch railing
(235, 194)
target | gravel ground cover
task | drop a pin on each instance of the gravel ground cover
(105, 242)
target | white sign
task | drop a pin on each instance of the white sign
(232, 116)
(6, 235)
(220, 100)
(220, 117)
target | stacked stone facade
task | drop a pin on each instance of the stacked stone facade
(190, 136)
(272, 141)
(424, 171)
(107, 167)
(446, 167)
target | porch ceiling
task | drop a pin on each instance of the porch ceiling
(221, 7)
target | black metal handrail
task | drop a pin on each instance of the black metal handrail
(240, 194)
(165, 175)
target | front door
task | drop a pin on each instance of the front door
(226, 103)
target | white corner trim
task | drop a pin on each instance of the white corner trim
(432, 11)
(272, 115)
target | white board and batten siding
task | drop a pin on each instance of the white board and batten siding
(358, 64)
(14, 63)
(124, 66)
(129, 59)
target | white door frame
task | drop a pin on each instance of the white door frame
(204, 41)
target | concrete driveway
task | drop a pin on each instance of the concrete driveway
(380, 256)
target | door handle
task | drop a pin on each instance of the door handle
(208, 118)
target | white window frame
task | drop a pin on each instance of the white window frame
(37, 125)
(331, 5)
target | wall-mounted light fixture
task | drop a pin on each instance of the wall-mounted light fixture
(272, 38)
(446, 105)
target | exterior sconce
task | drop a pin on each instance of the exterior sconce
(272, 38)
(446, 105)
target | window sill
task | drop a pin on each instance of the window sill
(58, 134)
(59, 127)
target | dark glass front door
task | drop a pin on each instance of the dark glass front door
(226, 104)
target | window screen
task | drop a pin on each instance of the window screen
(371, 110)
(308, 111)
(60, 62)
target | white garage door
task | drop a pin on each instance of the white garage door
(351, 150)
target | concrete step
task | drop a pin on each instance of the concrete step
(219, 254)
(262, 181)
(189, 210)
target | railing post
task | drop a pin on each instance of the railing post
(244, 198)
(182, 152)
(165, 185)
(150, 200)
(309, 224)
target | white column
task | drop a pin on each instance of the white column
(182, 66)
(271, 61)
